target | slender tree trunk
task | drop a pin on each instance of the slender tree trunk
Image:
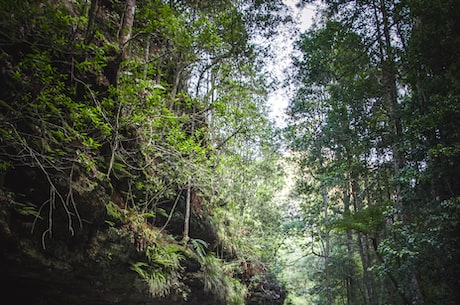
(177, 81)
(362, 243)
(91, 21)
(124, 35)
(127, 26)
(186, 232)
(327, 245)
(351, 286)
(375, 293)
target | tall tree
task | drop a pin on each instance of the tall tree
(367, 60)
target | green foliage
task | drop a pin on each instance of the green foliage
(159, 283)
(369, 127)
(181, 103)
(26, 209)
(218, 281)
(199, 246)
(369, 220)
(162, 272)
(114, 211)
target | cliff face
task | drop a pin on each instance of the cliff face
(93, 263)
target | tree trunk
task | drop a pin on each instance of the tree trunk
(127, 26)
(91, 21)
(363, 243)
(186, 232)
(389, 74)
(351, 286)
(327, 243)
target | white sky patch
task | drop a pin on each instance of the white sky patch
(279, 99)
(303, 16)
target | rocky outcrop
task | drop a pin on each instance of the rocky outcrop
(89, 259)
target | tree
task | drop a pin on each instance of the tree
(357, 93)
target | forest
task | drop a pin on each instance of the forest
(140, 162)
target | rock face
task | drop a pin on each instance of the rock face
(93, 264)
(88, 267)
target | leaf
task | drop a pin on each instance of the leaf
(162, 212)
(26, 209)
(138, 267)
(199, 245)
(158, 86)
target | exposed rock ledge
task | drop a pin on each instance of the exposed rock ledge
(92, 267)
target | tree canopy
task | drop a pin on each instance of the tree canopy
(374, 125)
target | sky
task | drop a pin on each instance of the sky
(279, 99)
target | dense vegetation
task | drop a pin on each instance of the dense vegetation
(135, 135)
(375, 130)
(139, 163)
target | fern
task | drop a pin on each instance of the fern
(138, 268)
(113, 210)
(199, 246)
(166, 256)
(162, 273)
(236, 294)
(26, 209)
(214, 279)
(218, 281)
(159, 283)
